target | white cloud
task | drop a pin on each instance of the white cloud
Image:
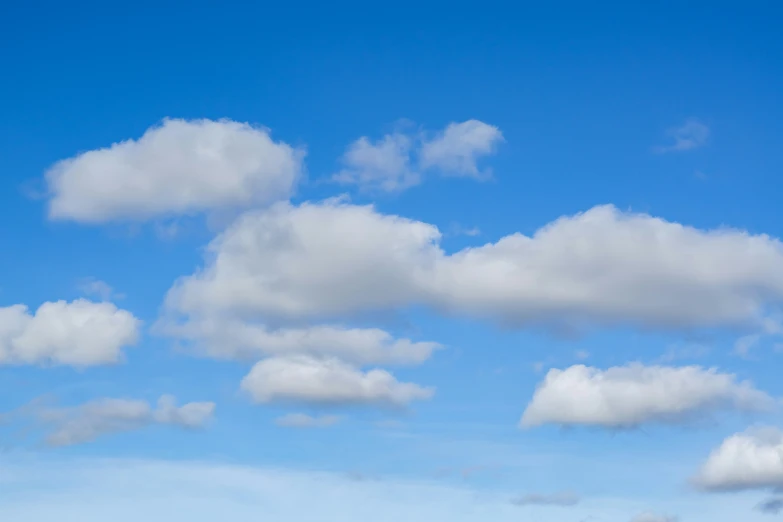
(628, 396)
(653, 517)
(301, 420)
(79, 333)
(308, 380)
(397, 161)
(690, 135)
(564, 499)
(602, 267)
(190, 415)
(456, 150)
(749, 460)
(383, 165)
(178, 167)
(244, 340)
(87, 422)
(95, 287)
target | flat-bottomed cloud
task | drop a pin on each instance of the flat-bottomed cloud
(180, 167)
(629, 396)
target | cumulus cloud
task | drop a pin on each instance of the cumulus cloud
(456, 150)
(87, 422)
(245, 340)
(79, 333)
(384, 165)
(301, 420)
(628, 396)
(602, 267)
(749, 460)
(692, 134)
(397, 161)
(653, 517)
(178, 167)
(564, 499)
(309, 380)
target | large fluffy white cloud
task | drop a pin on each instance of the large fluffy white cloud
(79, 333)
(628, 396)
(247, 340)
(749, 460)
(87, 422)
(178, 167)
(318, 381)
(601, 267)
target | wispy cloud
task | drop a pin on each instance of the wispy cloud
(67, 426)
(564, 498)
(93, 287)
(302, 420)
(692, 134)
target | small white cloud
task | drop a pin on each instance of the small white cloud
(190, 415)
(564, 499)
(582, 355)
(456, 150)
(79, 333)
(177, 168)
(301, 420)
(690, 135)
(383, 165)
(87, 422)
(397, 161)
(628, 396)
(749, 460)
(92, 287)
(309, 380)
(653, 517)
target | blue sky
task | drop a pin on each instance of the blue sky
(350, 261)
